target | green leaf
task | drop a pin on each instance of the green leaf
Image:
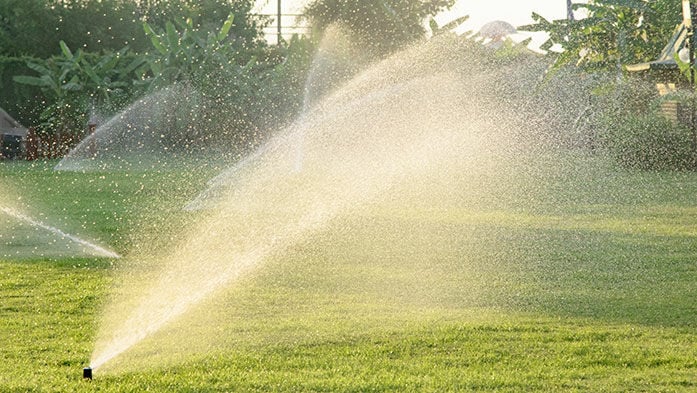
(172, 35)
(539, 18)
(123, 51)
(133, 65)
(158, 45)
(114, 85)
(155, 68)
(148, 30)
(433, 25)
(633, 4)
(250, 64)
(547, 45)
(225, 30)
(107, 63)
(31, 81)
(73, 85)
(455, 23)
(154, 38)
(66, 51)
(50, 82)
(524, 43)
(39, 68)
(91, 74)
(64, 74)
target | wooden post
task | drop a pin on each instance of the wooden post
(31, 152)
(91, 128)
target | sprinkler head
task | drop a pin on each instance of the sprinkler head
(87, 373)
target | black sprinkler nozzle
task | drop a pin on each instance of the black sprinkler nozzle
(87, 373)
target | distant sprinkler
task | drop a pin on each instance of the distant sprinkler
(91, 128)
(87, 373)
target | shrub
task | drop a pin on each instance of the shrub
(649, 142)
(18, 99)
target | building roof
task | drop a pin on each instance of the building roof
(10, 126)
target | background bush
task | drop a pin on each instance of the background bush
(31, 32)
(648, 142)
(22, 101)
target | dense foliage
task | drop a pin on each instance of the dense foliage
(623, 114)
(650, 142)
(74, 68)
(34, 27)
(82, 56)
(615, 32)
(70, 82)
(383, 25)
(61, 60)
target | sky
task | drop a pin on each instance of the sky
(515, 12)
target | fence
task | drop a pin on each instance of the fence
(290, 24)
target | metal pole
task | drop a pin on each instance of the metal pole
(279, 14)
(691, 45)
(688, 14)
(569, 10)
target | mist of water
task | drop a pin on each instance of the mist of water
(139, 136)
(402, 120)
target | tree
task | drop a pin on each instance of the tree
(381, 25)
(110, 36)
(96, 25)
(208, 15)
(35, 27)
(616, 32)
(72, 82)
(622, 115)
(25, 26)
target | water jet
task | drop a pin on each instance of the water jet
(411, 122)
(91, 247)
(134, 136)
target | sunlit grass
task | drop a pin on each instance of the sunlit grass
(582, 290)
(118, 209)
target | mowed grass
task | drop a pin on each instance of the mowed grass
(119, 209)
(573, 279)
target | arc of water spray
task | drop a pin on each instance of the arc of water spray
(157, 311)
(263, 210)
(100, 251)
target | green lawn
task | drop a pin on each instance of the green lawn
(578, 277)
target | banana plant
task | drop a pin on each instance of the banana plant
(182, 52)
(109, 76)
(615, 32)
(448, 27)
(57, 76)
(71, 81)
(59, 80)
